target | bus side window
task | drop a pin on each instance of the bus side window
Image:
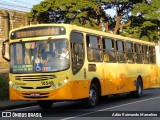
(152, 55)
(94, 51)
(145, 52)
(130, 52)
(138, 53)
(120, 51)
(77, 51)
(109, 50)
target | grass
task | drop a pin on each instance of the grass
(4, 89)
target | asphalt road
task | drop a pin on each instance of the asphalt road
(112, 108)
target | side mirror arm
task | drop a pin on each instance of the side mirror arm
(4, 50)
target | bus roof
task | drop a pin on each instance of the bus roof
(90, 31)
(110, 35)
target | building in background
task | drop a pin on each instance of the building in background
(10, 19)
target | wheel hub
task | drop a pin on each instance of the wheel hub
(92, 96)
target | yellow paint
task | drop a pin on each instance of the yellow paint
(71, 91)
(113, 77)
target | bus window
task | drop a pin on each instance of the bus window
(109, 50)
(77, 51)
(130, 52)
(152, 55)
(94, 51)
(19, 54)
(138, 53)
(120, 51)
(145, 51)
(16, 53)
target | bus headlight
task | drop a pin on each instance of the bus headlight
(17, 88)
(54, 87)
(59, 84)
(65, 81)
(10, 82)
(13, 85)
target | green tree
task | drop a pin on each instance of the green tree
(145, 24)
(134, 18)
(123, 13)
(86, 13)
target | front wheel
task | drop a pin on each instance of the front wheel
(45, 104)
(93, 97)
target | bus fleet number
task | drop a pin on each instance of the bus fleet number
(47, 83)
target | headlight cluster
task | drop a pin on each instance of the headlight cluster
(60, 84)
(13, 85)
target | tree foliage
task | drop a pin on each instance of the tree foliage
(145, 24)
(123, 9)
(133, 18)
(85, 13)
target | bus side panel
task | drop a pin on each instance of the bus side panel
(111, 81)
(153, 76)
(80, 84)
(80, 89)
(131, 75)
(145, 71)
(119, 78)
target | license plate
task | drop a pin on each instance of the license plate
(35, 94)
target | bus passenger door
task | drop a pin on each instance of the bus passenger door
(79, 88)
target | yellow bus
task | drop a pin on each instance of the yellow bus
(58, 62)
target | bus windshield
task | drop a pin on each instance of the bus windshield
(39, 56)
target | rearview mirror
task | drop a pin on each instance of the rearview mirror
(5, 50)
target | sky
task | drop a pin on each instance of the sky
(112, 12)
(19, 5)
(26, 5)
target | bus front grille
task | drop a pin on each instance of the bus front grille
(35, 77)
(26, 87)
(39, 87)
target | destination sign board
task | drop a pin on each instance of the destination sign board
(38, 31)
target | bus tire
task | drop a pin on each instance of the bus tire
(139, 89)
(45, 104)
(93, 96)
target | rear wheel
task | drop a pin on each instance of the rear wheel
(45, 104)
(93, 96)
(139, 89)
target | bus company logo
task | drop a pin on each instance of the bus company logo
(6, 114)
(21, 114)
